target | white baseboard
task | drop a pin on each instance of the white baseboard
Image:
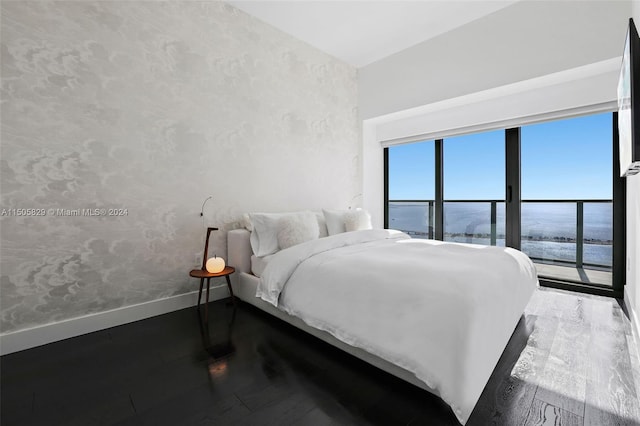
(635, 321)
(48, 333)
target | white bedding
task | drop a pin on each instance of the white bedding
(443, 311)
(258, 264)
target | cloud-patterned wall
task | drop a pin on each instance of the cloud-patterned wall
(150, 107)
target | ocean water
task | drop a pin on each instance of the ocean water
(548, 229)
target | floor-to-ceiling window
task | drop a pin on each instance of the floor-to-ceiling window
(473, 173)
(455, 189)
(567, 197)
(412, 188)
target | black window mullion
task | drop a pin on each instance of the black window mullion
(386, 187)
(439, 207)
(512, 187)
(619, 215)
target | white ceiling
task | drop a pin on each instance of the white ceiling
(362, 32)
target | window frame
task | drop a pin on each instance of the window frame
(513, 209)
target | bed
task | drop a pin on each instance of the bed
(435, 314)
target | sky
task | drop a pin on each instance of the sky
(563, 159)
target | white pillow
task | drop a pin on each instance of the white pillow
(335, 221)
(264, 236)
(322, 225)
(246, 222)
(297, 229)
(357, 220)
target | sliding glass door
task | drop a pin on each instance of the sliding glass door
(473, 169)
(567, 198)
(411, 186)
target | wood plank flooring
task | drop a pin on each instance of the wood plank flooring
(572, 360)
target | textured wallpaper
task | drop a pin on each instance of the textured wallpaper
(118, 119)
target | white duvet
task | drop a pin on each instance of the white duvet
(443, 311)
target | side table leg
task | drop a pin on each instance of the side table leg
(206, 303)
(233, 299)
(200, 292)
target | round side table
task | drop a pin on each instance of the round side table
(202, 274)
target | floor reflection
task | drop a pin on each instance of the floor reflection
(218, 343)
(339, 385)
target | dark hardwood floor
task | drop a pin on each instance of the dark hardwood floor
(571, 361)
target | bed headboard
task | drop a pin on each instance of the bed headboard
(239, 250)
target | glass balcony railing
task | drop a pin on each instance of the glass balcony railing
(573, 232)
(475, 222)
(415, 217)
(577, 233)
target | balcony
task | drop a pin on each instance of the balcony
(567, 239)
